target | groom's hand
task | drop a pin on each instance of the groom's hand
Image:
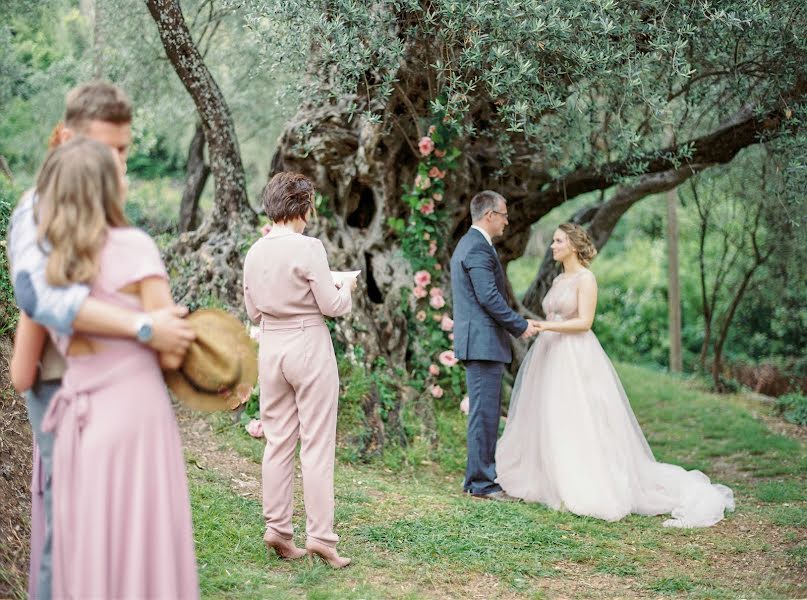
(532, 329)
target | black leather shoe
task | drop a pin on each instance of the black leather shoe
(500, 496)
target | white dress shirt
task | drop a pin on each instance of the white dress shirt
(485, 233)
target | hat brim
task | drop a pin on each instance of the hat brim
(229, 397)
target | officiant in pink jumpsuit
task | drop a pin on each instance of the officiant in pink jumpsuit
(288, 289)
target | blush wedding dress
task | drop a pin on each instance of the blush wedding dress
(572, 442)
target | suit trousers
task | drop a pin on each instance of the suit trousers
(40, 573)
(484, 381)
(299, 394)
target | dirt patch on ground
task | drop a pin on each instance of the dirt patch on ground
(758, 555)
(204, 451)
(15, 484)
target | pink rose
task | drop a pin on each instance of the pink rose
(427, 208)
(421, 315)
(254, 428)
(447, 358)
(437, 317)
(465, 405)
(432, 247)
(422, 183)
(434, 369)
(436, 391)
(419, 292)
(446, 323)
(436, 173)
(425, 145)
(451, 336)
(437, 302)
(436, 291)
(266, 229)
(437, 196)
(423, 278)
(439, 153)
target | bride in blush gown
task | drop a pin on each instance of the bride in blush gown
(571, 440)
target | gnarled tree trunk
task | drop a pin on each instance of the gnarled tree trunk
(363, 169)
(207, 261)
(196, 174)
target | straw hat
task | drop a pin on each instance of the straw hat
(221, 366)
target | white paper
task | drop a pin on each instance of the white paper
(339, 277)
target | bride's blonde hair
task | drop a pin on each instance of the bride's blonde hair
(580, 240)
(80, 195)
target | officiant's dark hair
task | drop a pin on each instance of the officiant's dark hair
(483, 202)
(287, 196)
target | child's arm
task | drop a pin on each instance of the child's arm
(29, 341)
(155, 293)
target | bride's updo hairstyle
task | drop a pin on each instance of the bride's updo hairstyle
(580, 240)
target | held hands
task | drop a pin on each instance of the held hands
(533, 328)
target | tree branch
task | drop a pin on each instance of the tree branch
(743, 129)
(602, 218)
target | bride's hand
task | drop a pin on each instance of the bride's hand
(540, 326)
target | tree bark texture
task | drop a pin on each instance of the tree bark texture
(207, 261)
(196, 174)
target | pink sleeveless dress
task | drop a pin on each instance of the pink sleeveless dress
(122, 519)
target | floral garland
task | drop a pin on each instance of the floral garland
(423, 237)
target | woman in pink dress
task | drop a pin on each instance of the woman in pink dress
(571, 440)
(122, 521)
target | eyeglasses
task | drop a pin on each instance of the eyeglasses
(501, 214)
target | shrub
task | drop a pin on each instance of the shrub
(793, 407)
(8, 307)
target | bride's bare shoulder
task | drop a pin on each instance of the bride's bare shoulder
(587, 278)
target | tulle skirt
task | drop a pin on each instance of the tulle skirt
(573, 443)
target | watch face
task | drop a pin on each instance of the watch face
(144, 332)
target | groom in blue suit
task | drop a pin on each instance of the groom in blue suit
(483, 322)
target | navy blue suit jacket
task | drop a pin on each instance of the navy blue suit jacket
(482, 318)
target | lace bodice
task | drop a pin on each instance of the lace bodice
(560, 303)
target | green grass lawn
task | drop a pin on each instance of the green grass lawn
(412, 534)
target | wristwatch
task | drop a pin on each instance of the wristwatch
(144, 329)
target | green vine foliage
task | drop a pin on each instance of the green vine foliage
(8, 308)
(424, 235)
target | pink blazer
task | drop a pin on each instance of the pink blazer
(286, 275)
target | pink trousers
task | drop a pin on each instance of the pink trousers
(299, 392)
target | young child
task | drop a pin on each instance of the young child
(122, 523)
